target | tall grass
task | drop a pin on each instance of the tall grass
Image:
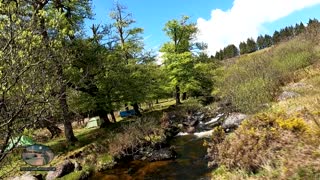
(255, 79)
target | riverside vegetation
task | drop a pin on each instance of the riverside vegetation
(52, 75)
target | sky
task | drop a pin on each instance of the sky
(220, 22)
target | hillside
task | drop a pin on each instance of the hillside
(280, 138)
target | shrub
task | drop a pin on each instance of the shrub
(256, 142)
(135, 135)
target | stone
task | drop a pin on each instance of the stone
(214, 120)
(62, 169)
(191, 129)
(194, 123)
(300, 85)
(77, 166)
(162, 154)
(233, 120)
(287, 95)
(103, 166)
(26, 176)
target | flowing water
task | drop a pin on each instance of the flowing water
(189, 164)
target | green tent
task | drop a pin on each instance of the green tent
(24, 141)
(94, 122)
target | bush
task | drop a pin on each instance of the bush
(256, 142)
(135, 135)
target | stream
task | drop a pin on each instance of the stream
(189, 164)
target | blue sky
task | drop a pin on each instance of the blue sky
(221, 22)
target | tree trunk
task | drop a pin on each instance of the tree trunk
(54, 130)
(136, 109)
(184, 96)
(104, 116)
(178, 95)
(68, 131)
(113, 116)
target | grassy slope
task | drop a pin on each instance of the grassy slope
(292, 150)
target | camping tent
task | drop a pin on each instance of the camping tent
(24, 141)
(94, 122)
(128, 113)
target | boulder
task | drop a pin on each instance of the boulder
(287, 95)
(162, 154)
(233, 120)
(26, 176)
(62, 169)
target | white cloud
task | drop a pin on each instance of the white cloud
(243, 20)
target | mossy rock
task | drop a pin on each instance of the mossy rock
(85, 173)
(105, 162)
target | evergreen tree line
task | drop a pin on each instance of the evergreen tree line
(263, 41)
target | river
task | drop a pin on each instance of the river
(189, 164)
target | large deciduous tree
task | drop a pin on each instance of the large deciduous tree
(178, 58)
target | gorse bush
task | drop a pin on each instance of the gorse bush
(257, 142)
(255, 79)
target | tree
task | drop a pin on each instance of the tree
(276, 37)
(251, 45)
(32, 37)
(243, 48)
(261, 42)
(264, 41)
(230, 51)
(219, 55)
(128, 43)
(268, 41)
(177, 55)
(313, 30)
(23, 96)
(59, 25)
(299, 28)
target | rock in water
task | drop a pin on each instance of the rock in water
(62, 169)
(162, 154)
(233, 120)
(191, 129)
